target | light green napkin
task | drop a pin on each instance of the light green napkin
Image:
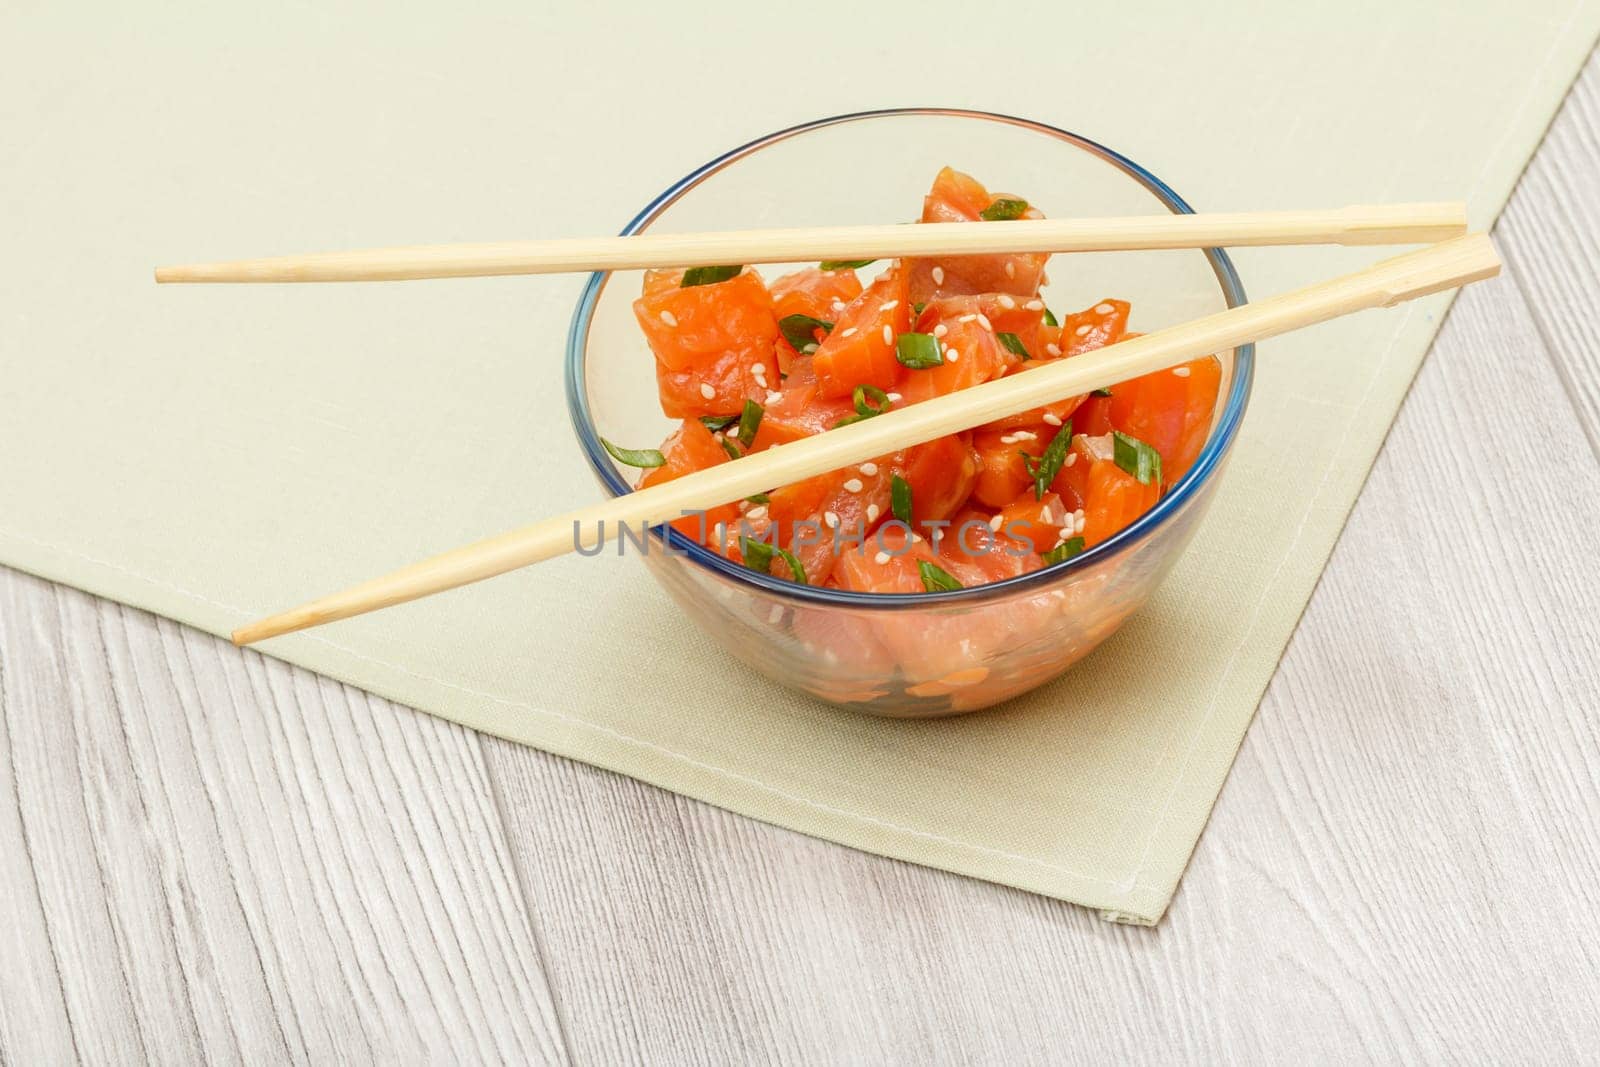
(213, 453)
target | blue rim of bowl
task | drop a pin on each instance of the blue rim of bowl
(1216, 447)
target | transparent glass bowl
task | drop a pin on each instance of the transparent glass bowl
(927, 654)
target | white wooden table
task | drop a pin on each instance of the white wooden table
(205, 854)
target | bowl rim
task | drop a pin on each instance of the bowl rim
(1207, 465)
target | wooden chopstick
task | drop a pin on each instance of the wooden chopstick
(1373, 224)
(1442, 266)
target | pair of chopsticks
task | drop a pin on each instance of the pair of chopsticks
(1455, 261)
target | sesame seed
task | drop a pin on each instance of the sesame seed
(890, 306)
(966, 318)
(775, 614)
(983, 320)
(852, 485)
(1072, 457)
(1082, 522)
(706, 390)
(1046, 515)
(1008, 439)
(872, 512)
(894, 398)
(1053, 348)
(666, 317)
(1182, 372)
(1052, 420)
(951, 355)
(832, 519)
(1011, 269)
(1006, 301)
(773, 396)
(938, 276)
(1083, 329)
(869, 468)
(888, 334)
(757, 513)
(940, 330)
(1103, 309)
(1026, 435)
(848, 331)
(759, 370)
(1034, 305)
(1078, 515)
(881, 558)
(916, 538)
(995, 520)
(838, 305)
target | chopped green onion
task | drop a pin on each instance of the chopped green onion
(1136, 457)
(1003, 210)
(729, 447)
(799, 331)
(795, 569)
(1101, 392)
(900, 499)
(749, 420)
(917, 307)
(919, 351)
(1044, 468)
(880, 403)
(718, 422)
(635, 457)
(757, 554)
(936, 579)
(1013, 344)
(759, 498)
(710, 275)
(1050, 318)
(1064, 551)
(758, 557)
(844, 264)
(880, 400)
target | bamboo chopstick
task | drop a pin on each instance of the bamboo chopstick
(1361, 225)
(1443, 266)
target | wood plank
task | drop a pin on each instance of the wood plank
(206, 855)
(1548, 233)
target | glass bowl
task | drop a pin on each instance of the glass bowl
(935, 653)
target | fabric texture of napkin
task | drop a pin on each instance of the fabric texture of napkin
(211, 453)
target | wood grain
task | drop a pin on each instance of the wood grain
(1549, 232)
(1403, 865)
(1405, 861)
(206, 855)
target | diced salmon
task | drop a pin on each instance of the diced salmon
(972, 355)
(715, 345)
(690, 448)
(1170, 410)
(957, 197)
(1103, 324)
(861, 348)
